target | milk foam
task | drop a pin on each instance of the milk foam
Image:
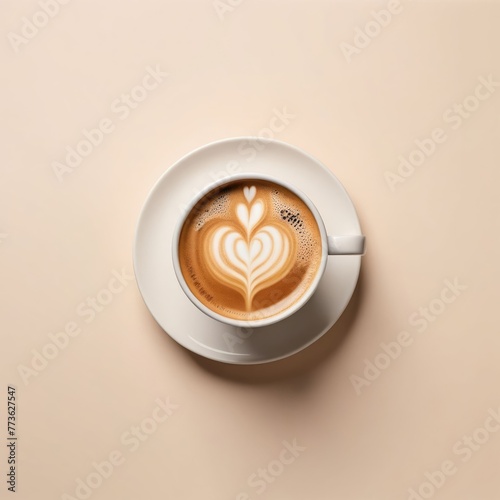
(262, 243)
(248, 258)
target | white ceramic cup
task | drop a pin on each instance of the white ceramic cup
(351, 244)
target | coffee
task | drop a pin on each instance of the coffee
(249, 250)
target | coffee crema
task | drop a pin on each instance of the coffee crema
(249, 250)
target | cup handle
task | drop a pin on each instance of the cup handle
(353, 244)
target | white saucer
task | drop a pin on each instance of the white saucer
(154, 271)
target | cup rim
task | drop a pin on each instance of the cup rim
(256, 322)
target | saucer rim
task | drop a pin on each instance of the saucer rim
(234, 357)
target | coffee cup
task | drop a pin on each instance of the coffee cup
(250, 250)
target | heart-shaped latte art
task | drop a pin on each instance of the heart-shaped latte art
(249, 266)
(246, 257)
(250, 218)
(249, 193)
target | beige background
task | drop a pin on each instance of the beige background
(61, 241)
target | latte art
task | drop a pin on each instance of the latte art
(246, 257)
(250, 250)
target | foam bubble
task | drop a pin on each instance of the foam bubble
(210, 208)
(287, 211)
